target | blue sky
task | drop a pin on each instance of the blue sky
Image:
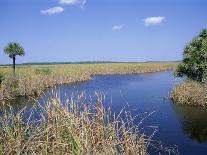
(100, 30)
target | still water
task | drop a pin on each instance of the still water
(183, 126)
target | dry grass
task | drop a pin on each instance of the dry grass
(190, 93)
(72, 128)
(32, 80)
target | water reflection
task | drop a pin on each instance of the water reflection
(17, 104)
(193, 122)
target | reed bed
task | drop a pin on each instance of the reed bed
(190, 93)
(34, 79)
(72, 128)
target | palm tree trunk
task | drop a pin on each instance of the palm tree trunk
(14, 63)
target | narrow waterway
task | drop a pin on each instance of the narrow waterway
(183, 126)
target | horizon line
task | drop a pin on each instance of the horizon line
(84, 62)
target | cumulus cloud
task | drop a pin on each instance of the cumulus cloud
(117, 27)
(53, 10)
(73, 2)
(154, 20)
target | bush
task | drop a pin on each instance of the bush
(194, 63)
(44, 71)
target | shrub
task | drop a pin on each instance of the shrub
(194, 63)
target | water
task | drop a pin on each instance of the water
(183, 126)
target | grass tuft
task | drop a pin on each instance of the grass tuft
(190, 93)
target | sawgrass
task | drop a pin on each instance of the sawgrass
(190, 93)
(34, 79)
(69, 129)
(74, 127)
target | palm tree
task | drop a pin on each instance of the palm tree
(13, 49)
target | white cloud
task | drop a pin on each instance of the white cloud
(154, 20)
(81, 3)
(117, 27)
(53, 10)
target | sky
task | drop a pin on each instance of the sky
(100, 30)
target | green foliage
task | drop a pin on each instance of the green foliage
(44, 71)
(194, 63)
(13, 49)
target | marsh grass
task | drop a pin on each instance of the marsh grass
(33, 80)
(44, 71)
(1, 77)
(190, 93)
(74, 128)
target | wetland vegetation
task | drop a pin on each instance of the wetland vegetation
(32, 80)
(75, 128)
(72, 128)
(194, 66)
(87, 77)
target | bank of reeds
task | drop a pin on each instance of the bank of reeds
(32, 80)
(190, 93)
(72, 128)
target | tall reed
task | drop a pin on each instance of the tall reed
(190, 93)
(72, 128)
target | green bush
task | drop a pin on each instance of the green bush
(194, 63)
(45, 71)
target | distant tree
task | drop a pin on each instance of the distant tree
(13, 49)
(194, 64)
